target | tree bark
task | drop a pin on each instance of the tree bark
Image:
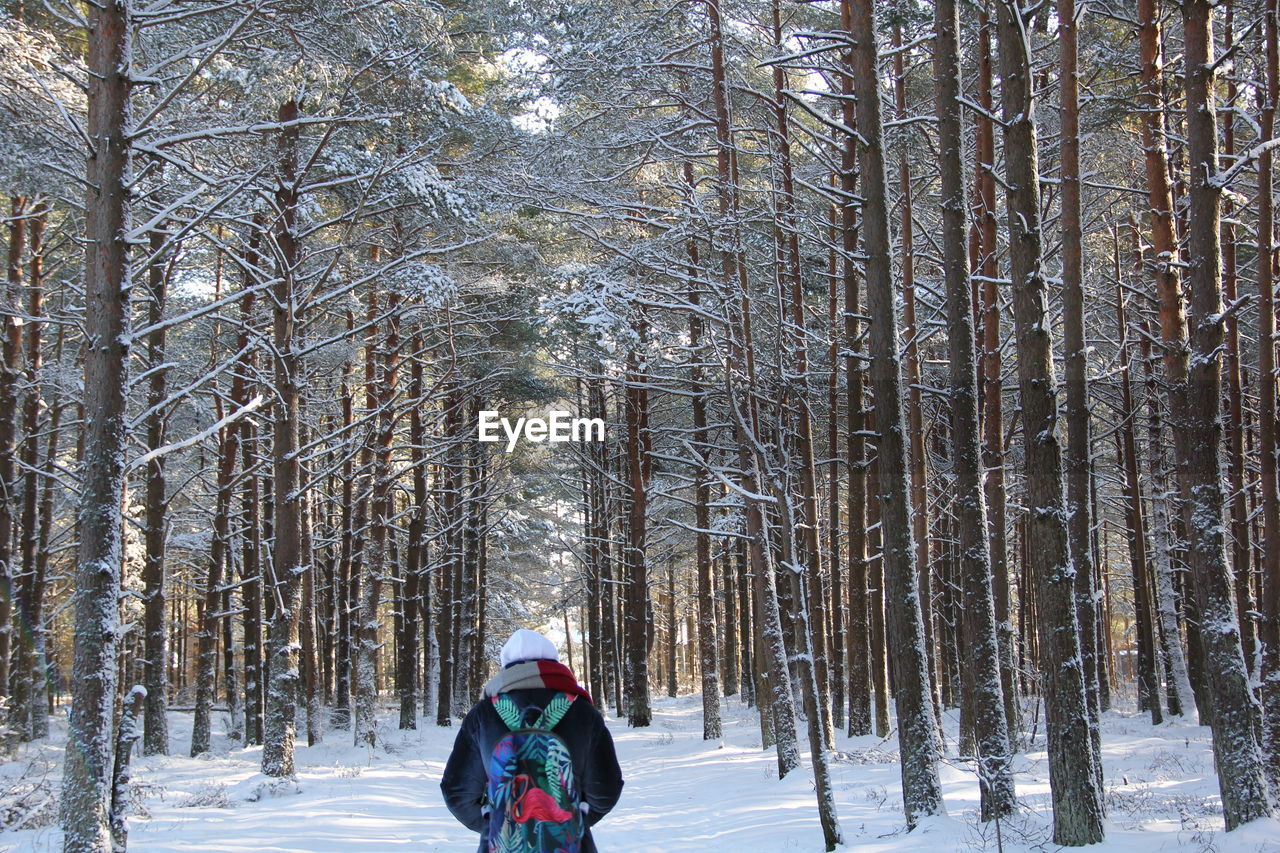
(86, 783)
(839, 608)
(10, 371)
(993, 459)
(250, 505)
(210, 618)
(156, 737)
(812, 615)
(771, 658)
(344, 582)
(638, 615)
(384, 350)
(467, 663)
(1148, 684)
(981, 650)
(408, 685)
(858, 641)
(1075, 368)
(34, 544)
(1238, 497)
(125, 739)
(279, 730)
(1269, 460)
(251, 590)
(308, 667)
(1240, 770)
(911, 364)
(1173, 325)
(1073, 778)
(917, 730)
(1182, 699)
(707, 658)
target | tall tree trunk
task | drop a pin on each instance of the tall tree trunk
(1269, 460)
(771, 657)
(1238, 497)
(733, 628)
(279, 729)
(981, 649)
(473, 613)
(210, 616)
(20, 571)
(839, 610)
(1148, 685)
(230, 670)
(855, 450)
(1077, 797)
(451, 556)
(86, 781)
(880, 658)
(465, 682)
(673, 634)
(381, 396)
(597, 549)
(917, 730)
(911, 364)
(812, 616)
(34, 558)
(637, 607)
(610, 569)
(1240, 771)
(702, 511)
(155, 716)
(736, 554)
(590, 608)
(308, 667)
(430, 619)
(365, 551)
(10, 371)
(238, 398)
(340, 714)
(791, 549)
(251, 590)
(858, 641)
(1182, 699)
(993, 459)
(415, 552)
(250, 506)
(1075, 368)
(1164, 246)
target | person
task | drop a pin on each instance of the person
(483, 785)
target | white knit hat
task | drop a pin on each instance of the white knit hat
(527, 645)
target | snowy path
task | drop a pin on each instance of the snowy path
(682, 795)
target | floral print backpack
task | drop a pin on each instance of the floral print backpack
(532, 797)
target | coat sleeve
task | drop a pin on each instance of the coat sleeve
(464, 780)
(603, 783)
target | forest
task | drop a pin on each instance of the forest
(934, 348)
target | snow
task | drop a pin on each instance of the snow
(682, 794)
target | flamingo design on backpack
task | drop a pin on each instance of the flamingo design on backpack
(530, 802)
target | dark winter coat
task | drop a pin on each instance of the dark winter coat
(595, 764)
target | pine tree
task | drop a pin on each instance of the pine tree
(1073, 778)
(917, 731)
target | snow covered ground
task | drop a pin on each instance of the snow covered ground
(682, 795)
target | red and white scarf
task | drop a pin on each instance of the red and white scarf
(533, 674)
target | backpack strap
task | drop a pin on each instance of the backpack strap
(555, 711)
(513, 718)
(508, 711)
